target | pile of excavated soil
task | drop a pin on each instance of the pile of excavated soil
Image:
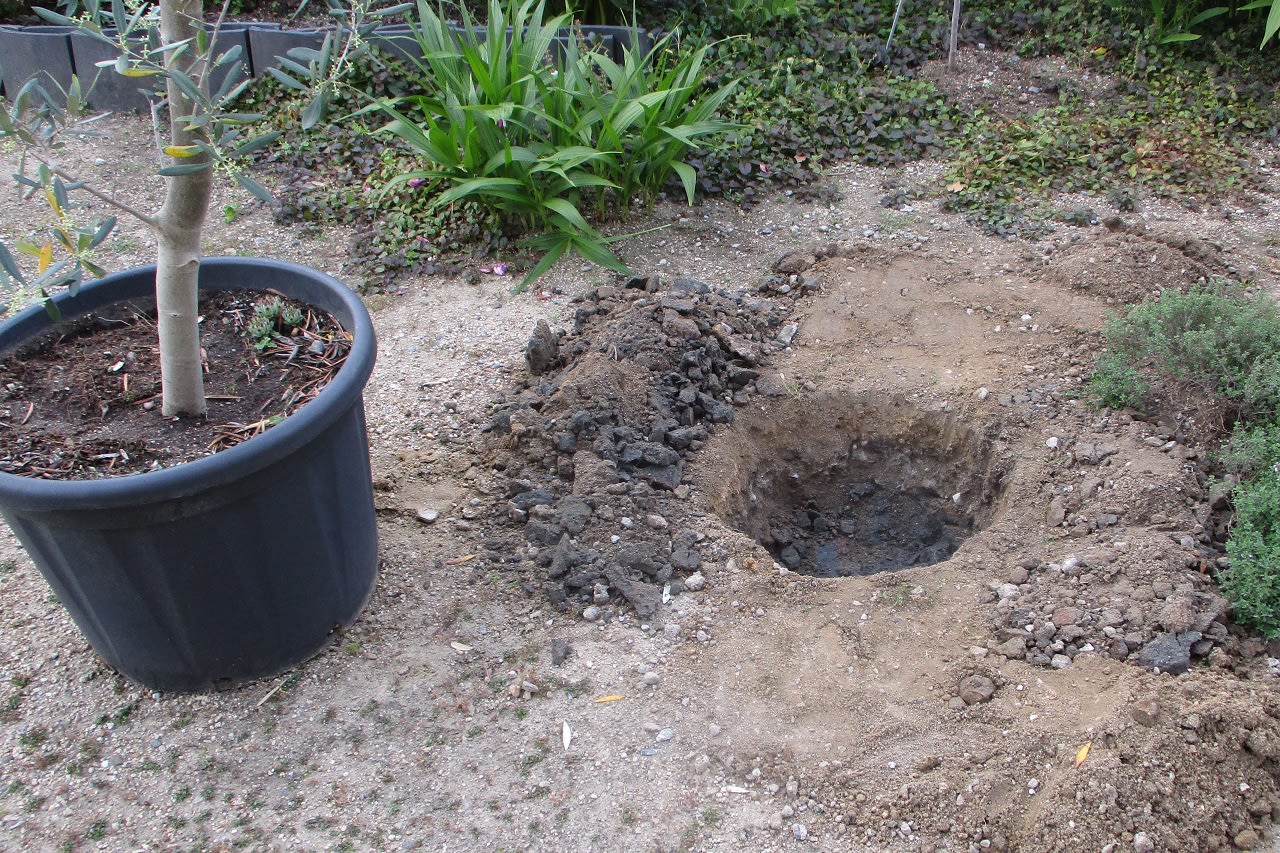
(765, 443)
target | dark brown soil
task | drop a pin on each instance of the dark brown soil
(84, 401)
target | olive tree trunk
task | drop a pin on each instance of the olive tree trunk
(179, 225)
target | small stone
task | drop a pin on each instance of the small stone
(1014, 648)
(600, 594)
(800, 831)
(695, 582)
(1060, 661)
(787, 334)
(1177, 615)
(1169, 653)
(427, 515)
(543, 350)
(560, 651)
(1246, 839)
(983, 393)
(665, 735)
(975, 689)
(1018, 576)
(591, 613)
(794, 263)
(656, 522)
(1142, 843)
(642, 595)
(1056, 513)
(955, 703)
(1063, 616)
(650, 678)
(685, 559)
(1145, 712)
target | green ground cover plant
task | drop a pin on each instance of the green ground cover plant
(806, 86)
(1218, 345)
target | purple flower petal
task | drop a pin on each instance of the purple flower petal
(499, 269)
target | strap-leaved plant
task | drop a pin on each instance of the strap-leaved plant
(519, 117)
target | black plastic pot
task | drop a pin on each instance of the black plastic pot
(236, 566)
(268, 44)
(616, 39)
(27, 51)
(397, 41)
(104, 88)
(118, 93)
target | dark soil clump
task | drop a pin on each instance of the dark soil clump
(83, 402)
(595, 446)
(839, 486)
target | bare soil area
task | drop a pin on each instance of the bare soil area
(900, 389)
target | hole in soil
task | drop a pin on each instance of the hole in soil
(840, 486)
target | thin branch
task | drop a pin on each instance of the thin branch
(144, 218)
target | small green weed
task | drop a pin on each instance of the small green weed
(907, 594)
(124, 712)
(1116, 383)
(96, 831)
(33, 737)
(272, 317)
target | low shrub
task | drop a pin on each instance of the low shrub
(1223, 345)
(1216, 339)
(1252, 582)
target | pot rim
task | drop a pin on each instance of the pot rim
(192, 478)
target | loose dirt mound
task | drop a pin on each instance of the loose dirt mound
(852, 419)
(1134, 263)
